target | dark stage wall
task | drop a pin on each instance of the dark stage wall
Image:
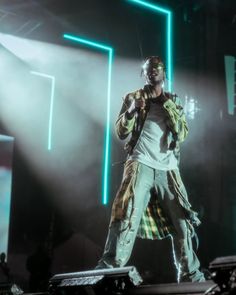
(56, 199)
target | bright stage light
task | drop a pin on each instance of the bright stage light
(6, 149)
(191, 107)
(106, 162)
(52, 78)
(230, 69)
(168, 13)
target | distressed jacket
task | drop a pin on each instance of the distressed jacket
(176, 121)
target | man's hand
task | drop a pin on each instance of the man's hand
(137, 104)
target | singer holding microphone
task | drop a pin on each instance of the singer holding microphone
(152, 202)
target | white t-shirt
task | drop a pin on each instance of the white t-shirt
(152, 146)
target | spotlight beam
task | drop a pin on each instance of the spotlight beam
(106, 156)
(168, 13)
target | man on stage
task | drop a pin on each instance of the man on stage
(152, 202)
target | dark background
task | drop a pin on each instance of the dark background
(204, 32)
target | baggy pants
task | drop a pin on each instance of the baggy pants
(121, 236)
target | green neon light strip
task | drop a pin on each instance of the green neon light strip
(106, 164)
(52, 78)
(168, 13)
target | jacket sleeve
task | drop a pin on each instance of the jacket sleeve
(176, 119)
(124, 124)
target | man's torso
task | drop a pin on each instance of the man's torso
(151, 148)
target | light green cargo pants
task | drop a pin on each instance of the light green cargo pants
(122, 233)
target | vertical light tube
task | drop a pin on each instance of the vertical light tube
(106, 156)
(169, 33)
(52, 78)
(106, 167)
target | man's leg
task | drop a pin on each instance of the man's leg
(122, 233)
(186, 261)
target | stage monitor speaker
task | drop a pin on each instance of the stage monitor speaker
(223, 272)
(194, 288)
(102, 281)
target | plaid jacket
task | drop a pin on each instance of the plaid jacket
(154, 223)
(176, 121)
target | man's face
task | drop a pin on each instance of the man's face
(154, 72)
